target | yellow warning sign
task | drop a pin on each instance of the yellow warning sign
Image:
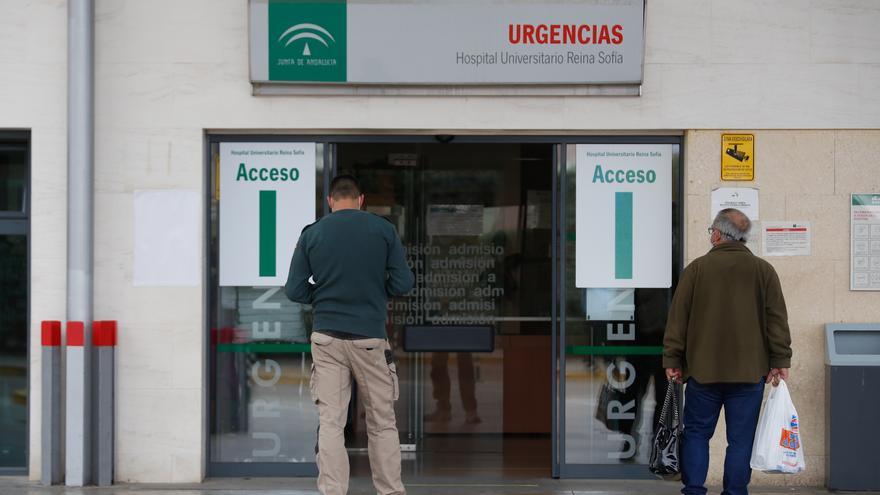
(737, 157)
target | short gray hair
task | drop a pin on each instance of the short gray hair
(732, 224)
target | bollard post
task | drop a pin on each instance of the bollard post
(104, 344)
(52, 471)
(78, 411)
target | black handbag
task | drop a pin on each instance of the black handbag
(667, 439)
(606, 395)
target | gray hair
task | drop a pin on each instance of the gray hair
(732, 224)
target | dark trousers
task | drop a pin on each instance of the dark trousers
(442, 386)
(702, 405)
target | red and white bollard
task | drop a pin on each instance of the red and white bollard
(78, 408)
(52, 469)
(104, 343)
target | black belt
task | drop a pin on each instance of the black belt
(342, 335)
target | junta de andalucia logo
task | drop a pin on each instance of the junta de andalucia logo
(307, 40)
(307, 31)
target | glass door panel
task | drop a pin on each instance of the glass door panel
(611, 367)
(263, 420)
(475, 220)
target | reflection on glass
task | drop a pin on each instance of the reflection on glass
(13, 350)
(13, 179)
(614, 375)
(475, 220)
(263, 411)
(441, 387)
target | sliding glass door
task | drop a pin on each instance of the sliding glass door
(571, 380)
(610, 373)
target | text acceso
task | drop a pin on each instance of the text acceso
(266, 174)
(611, 176)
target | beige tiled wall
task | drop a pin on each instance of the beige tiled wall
(802, 176)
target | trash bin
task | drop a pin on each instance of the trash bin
(852, 394)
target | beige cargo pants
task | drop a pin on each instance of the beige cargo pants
(334, 362)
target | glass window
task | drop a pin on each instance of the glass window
(13, 350)
(13, 305)
(13, 179)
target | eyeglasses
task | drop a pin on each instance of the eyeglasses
(723, 234)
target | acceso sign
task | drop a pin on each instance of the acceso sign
(266, 174)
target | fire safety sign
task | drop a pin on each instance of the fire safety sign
(737, 157)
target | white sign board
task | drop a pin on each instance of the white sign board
(447, 41)
(744, 199)
(624, 216)
(865, 242)
(267, 196)
(786, 238)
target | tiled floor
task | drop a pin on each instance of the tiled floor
(363, 486)
(454, 468)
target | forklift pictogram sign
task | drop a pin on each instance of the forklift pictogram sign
(737, 157)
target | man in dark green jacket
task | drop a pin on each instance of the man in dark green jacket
(727, 333)
(347, 265)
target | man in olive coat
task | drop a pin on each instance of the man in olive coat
(727, 333)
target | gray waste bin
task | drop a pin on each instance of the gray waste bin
(852, 395)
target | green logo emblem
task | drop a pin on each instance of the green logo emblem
(307, 40)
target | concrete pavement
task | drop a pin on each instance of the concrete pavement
(363, 486)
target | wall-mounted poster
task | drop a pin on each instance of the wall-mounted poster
(865, 242)
(786, 238)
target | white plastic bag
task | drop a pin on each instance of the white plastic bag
(778, 447)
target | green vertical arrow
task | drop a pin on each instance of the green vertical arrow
(267, 233)
(623, 235)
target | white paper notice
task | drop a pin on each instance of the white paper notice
(611, 304)
(455, 220)
(167, 230)
(786, 238)
(744, 199)
(865, 242)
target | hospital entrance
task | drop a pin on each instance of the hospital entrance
(506, 369)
